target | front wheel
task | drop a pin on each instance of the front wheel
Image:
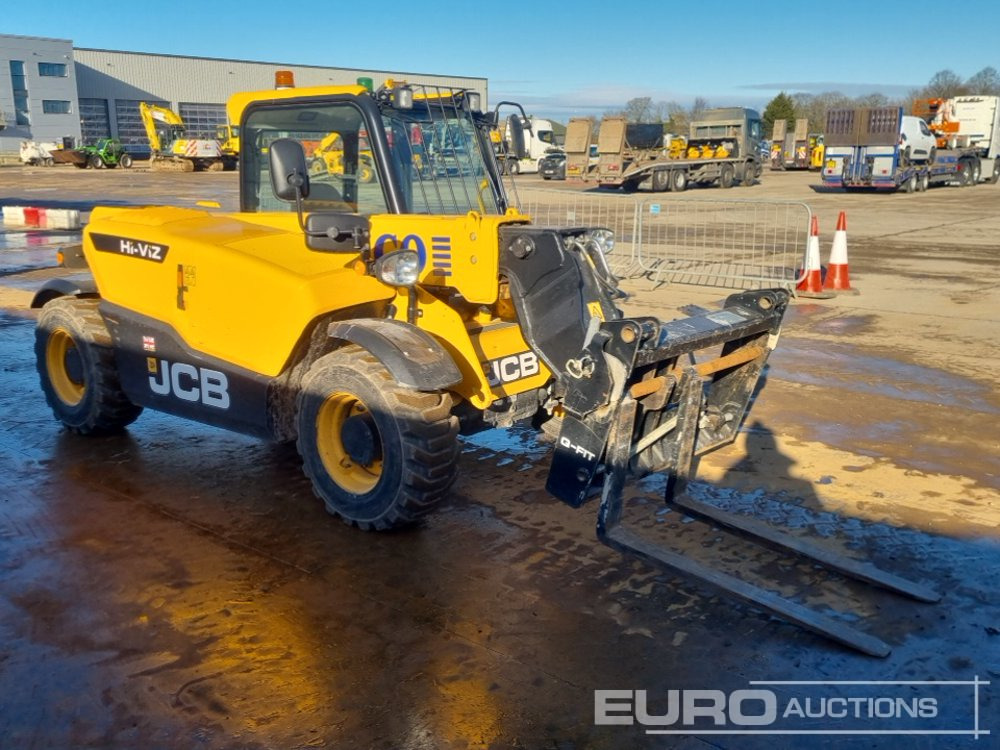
(727, 176)
(76, 365)
(366, 172)
(95, 162)
(379, 455)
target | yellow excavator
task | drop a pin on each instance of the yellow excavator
(228, 137)
(172, 151)
(329, 157)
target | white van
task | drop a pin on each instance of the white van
(916, 141)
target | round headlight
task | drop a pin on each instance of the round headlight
(604, 239)
(398, 268)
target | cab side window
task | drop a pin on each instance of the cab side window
(342, 170)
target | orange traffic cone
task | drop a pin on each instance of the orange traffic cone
(838, 277)
(811, 284)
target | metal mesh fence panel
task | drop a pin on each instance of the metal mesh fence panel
(728, 243)
(564, 208)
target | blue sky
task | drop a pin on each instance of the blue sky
(577, 57)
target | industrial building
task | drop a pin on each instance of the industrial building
(51, 91)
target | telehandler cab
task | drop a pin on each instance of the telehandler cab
(372, 321)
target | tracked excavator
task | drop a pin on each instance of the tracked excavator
(172, 151)
(372, 322)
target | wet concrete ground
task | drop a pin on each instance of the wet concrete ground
(179, 586)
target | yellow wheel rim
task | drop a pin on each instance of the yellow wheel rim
(65, 367)
(342, 469)
(365, 173)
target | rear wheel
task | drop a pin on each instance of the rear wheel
(748, 174)
(910, 184)
(659, 181)
(125, 161)
(513, 167)
(95, 161)
(379, 455)
(925, 182)
(76, 365)
(678, 181)
(965, 173)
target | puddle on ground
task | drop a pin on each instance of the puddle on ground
(27, 250)
(823, 363)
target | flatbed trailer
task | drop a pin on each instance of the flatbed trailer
(720, 150)
(863, 152)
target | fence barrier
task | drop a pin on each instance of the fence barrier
(566, 208)
(712, 242)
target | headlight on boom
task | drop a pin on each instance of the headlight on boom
(604, 239)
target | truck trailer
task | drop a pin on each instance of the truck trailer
(723, 147)
(799, 149)
(864, 148)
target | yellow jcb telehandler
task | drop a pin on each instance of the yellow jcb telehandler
(371, 322)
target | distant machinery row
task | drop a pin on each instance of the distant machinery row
(53, 92)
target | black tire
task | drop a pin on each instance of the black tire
(78, 165)
(630, 186)
(513, 166)
(748, 178)
(965, 173)
(727, 176)
(977, 171)
(125, 161)
(76, 365)
(932, 155)
(996, 172)
(910, 184)
(678, 181)
(925, 182)
(379, 455)
(366, 171)
(95, 162)
(659, 181)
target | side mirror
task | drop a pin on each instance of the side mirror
(289, 174)
(516, 129)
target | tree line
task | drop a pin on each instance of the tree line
(944, 84)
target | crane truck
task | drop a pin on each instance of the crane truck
(864, 147)
(722, 147)
(371, 323)
(172, 151)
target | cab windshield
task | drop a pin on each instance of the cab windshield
(431, 155)
(438, 155)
